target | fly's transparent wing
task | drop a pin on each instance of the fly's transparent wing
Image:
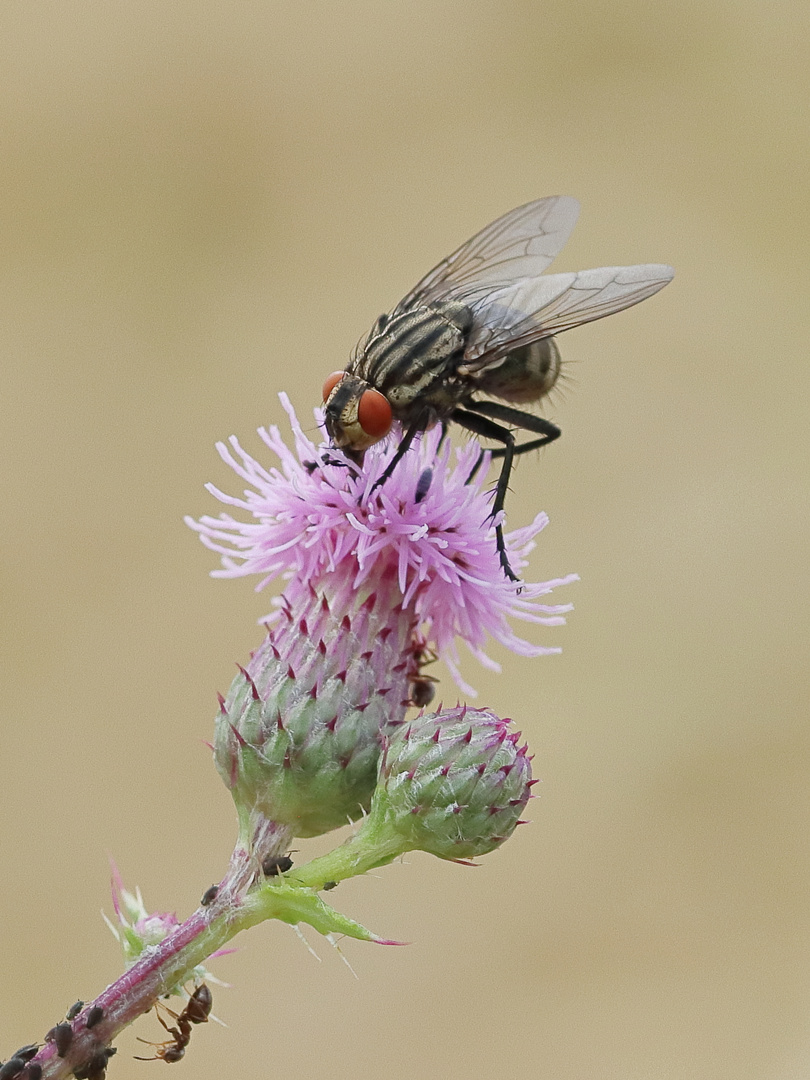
(521, 244)
(524, 311)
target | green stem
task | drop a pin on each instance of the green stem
(374, 844)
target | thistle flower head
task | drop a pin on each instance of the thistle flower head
(428, 525)
(377, 579)
(297, 739)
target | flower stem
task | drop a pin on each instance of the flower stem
(374, 844)
(172, 961)
(244, 898)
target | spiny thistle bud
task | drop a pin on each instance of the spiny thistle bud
(453, 784)
(298, 737)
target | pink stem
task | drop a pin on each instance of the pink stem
(164, 966)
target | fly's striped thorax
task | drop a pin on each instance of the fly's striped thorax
(407, 354)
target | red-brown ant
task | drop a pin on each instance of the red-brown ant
(196, 1011)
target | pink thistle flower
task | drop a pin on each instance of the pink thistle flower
(376, 581)
(428, 526)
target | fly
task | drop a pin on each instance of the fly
(480, 324)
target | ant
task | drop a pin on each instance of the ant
(423, 691)
(423, 687)
(196, 1011)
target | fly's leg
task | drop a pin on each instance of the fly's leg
(479, 462)
(417, 425)
(480, 425)
(475, 418)
(520, 419)
(524, 448)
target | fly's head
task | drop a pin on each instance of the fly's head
(357, 415)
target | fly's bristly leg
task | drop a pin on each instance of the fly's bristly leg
(417, 425)
(479, 462)
(520, 419)
(480, 425)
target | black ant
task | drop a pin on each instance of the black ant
(423, 687)
(196, 1011)
(422, 691)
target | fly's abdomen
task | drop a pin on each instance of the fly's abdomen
(413, 355)
(525, 374)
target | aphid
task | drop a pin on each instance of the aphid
(61, 1036)
(95, 1014)
(276, 864)
(33, 1071)
(74, 1010)
(11, 1068)
(329, 885)
(96, 1067)
(197, 1011)
(209, 896)
(482, 322)
(26, 1052)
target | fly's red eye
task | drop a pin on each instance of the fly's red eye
(331, 382)
(374, 414)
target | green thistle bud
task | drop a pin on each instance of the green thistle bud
(453, 783)
(298, 738)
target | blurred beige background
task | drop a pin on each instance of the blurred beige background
(204, 203)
